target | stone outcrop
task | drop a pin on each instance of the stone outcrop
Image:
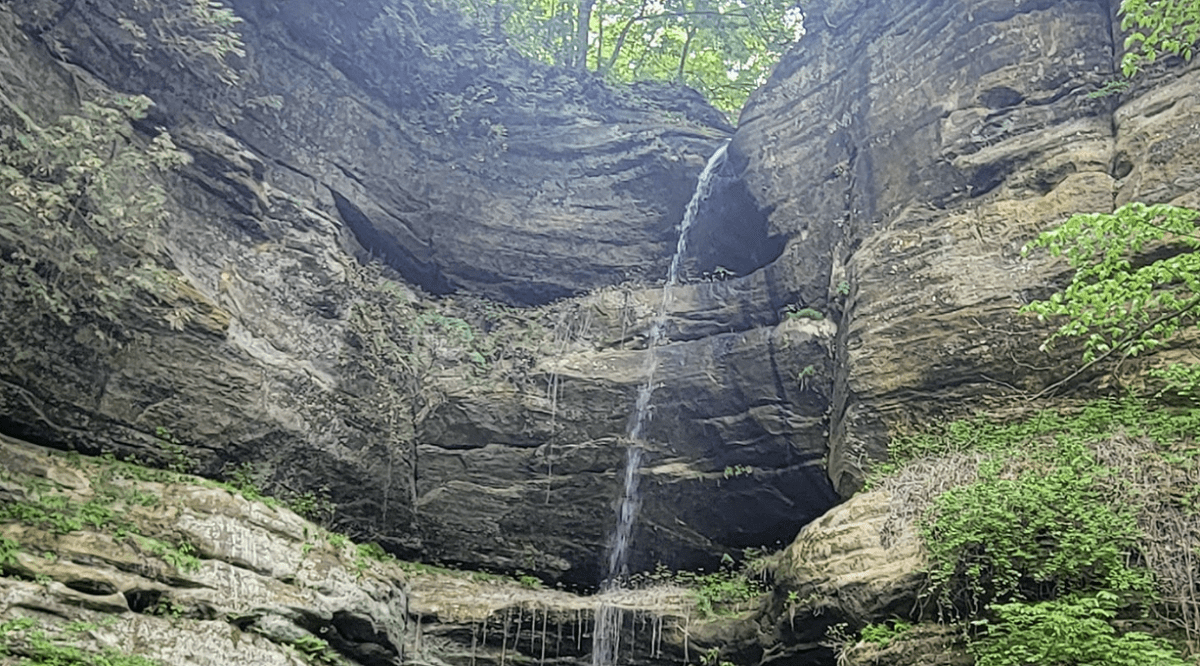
(110, 558)
(909, 150)
(181, 572)
(869, 223)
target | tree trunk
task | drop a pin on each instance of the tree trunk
(687, 45)
(581, 33)
(612, 58)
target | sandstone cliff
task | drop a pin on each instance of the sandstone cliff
(879, 186)
(909, 151)
(392, 130)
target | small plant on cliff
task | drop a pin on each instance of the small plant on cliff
(883, 633)
(8, 552)
(28, 641)
(733, 471)
(723, 592)
(795, 311)
(316, 649)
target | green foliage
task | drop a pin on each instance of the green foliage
(182, 556)
(316, 649)
(797, 312)
(244, 479)
(8, 552)
(1109, 89)
(1039, 518)
(88, 203)
(1159, 27)
(59, 514)
(724, 48)
(25, 643)
(1072, 630)
(1046, 529)
(723, 592)
(167, 608)
(1111, 302)
(736, 471)
(198, 35)
(531, 582)
(315, 506)
(882, 634)
(179, 461)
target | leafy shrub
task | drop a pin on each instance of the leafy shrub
(1072, 630)
(1041, 531)
(1158, 27)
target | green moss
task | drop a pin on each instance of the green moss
(26, 640)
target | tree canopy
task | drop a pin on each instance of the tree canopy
(724, 48)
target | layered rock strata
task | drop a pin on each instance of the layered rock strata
(909, 151)
(355, 132)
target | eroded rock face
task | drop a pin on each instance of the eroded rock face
(908, 152)
(344, 139)
(182, 573)
(100, 555)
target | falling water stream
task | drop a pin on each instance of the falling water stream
(607, 636)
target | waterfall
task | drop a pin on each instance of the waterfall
(607, 635)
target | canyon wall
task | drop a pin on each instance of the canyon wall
(503, 197)
(918, 148)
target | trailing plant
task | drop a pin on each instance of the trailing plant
(78, 235)
(198, 35)
(403, 345)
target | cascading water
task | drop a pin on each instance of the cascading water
(607, 636)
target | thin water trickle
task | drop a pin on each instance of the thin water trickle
(607, 636)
